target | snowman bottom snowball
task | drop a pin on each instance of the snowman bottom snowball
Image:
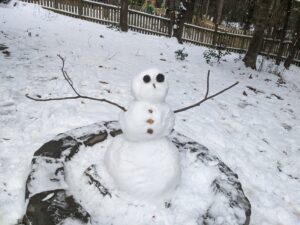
(147, 170)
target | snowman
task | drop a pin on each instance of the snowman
(142, 161)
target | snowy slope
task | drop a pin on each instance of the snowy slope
(256, 135)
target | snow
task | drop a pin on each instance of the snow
(256, 135)
(189, 202)
(48, 197)
(70, 221)
(148, 116)
(142, 161)
(46, 172)
(146, 121)
(149, 90)
(145, 170)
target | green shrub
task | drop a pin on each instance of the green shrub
(215, 55)
(181, 54)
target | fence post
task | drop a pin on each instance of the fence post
(124, 15)
(55, 4)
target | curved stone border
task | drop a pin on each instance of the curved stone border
(49, 203)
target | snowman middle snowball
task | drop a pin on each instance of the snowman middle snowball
(142, 161)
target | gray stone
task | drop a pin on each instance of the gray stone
(52, 207)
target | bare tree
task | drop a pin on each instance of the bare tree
(295, 46)
(170, 7)
(124, 15)
(248, 15)
(170, 13)
(217, 19)
(190, 11)
(207, 7)
(272, 26)
(198, 11)
(181, 19)
(258, 35)
(288, 8)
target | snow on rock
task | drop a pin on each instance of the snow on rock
(71, 221)
(51, 174)
(256, 133)
(54, 207)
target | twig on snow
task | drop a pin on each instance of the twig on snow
(207, 84)
(206, 95)
(112, 56)
(77, 95)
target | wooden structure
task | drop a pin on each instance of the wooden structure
(150, 24)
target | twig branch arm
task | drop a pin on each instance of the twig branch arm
(66, 76)
(50, 99)
(206, 96)
(77, 95)
(207, 84)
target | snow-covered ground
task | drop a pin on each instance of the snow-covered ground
(256, 134)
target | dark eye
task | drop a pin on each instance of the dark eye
(146, 78)
(160, 78)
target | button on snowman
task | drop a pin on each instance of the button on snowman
(142, 161)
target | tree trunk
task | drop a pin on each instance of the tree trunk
(56, 6)
(180, 20)
(217, 19)
(247, 18)
(272, 28)
(295, 46)
(258, 35)
(124, 16)
(190, 11)
(207, 7)
(170, 8)
(195, 9)
(248, 15)
(198, 12)
(288, 6)
(170, 13)
(219, 11)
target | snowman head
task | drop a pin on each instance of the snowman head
(150, 86)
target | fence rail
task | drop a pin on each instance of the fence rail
(156, 25)
(147, 23)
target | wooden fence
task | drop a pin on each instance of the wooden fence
(156, 25)
(209, 24)
(234, 42)
(146, 23)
